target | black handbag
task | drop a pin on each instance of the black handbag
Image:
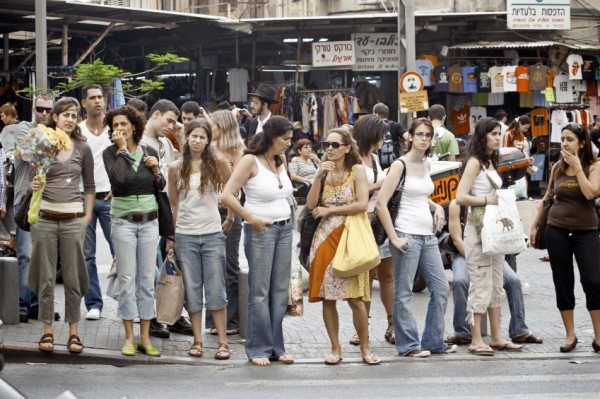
(21, 215)
(393, 206)
(165, 216)
(308, 226)
(540, 234)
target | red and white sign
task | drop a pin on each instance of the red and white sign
(411, 82)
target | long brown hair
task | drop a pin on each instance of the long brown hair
(209, 174)
(352, 158)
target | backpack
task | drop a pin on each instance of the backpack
(386, 153)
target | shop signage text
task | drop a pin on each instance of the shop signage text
(539, 14)
(333, 53)
(413, 102)
(376, 51)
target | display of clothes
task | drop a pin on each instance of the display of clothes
(561, 117)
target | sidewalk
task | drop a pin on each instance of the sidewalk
(305, 336)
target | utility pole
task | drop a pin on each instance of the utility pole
(407, 54)
(41, 46)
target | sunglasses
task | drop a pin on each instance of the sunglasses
(41, 110)
(577, 129)
(334, 144)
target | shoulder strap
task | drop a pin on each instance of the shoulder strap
(323, 178)
(403, 176)
(314, 163)
(374, 166)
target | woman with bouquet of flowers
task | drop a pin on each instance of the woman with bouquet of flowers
(62, 221)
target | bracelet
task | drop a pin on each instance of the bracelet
(123, 151)
(485, 199)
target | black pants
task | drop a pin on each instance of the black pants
(562, 245)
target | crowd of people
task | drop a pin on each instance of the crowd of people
(223, 177)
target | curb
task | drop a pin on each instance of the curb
(23, 352)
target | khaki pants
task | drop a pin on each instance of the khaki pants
(486, 273)
(48, 238)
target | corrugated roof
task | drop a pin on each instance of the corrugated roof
(512, 44)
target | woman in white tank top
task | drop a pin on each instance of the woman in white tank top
(369, 132)
(414, 245)
(199, 240)
(267, 237)
(486, 272)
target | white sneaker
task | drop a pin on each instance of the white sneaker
(93, 314)
(451, 349)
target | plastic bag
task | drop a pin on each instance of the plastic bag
(502, 232)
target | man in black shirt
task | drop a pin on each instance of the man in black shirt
(396, 129)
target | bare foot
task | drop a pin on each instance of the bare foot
(260, 361)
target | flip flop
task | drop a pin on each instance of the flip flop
(285, 359)
(507, 347)
(528, 338)
(481, 350)
(332, 359)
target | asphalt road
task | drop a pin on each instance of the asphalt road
(410, 379)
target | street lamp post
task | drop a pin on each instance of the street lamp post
(41, 51)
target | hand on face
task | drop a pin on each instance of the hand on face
(119, 139)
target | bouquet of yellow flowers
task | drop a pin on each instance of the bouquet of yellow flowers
(40, 147)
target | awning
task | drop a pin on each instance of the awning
(503, 45)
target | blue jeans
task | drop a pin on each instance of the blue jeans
(269, 260)
(422, 253)
(201, 259)
(100, 213)
(460, 291)
(135, 254)
(232, 276)
(28, 302)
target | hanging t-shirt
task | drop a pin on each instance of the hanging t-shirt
(455, 78)
(522, 73)
(434, 61)
(588, 67)
(540, 118)
(574, 61)
(509, 78)
(537, 77)
(476, 114)
(539, 99)
(579, 85)
(558, 120)
(563, 88)
(526, 100)
(595, 105)
(591, 87)
(238, 84)
(497, 79)
(462, 121)
(480, 99)
(424, 68)
(484, 83)
(441, 78)
(469, 79)
(496, 99)
(550, 77)
(598, 67)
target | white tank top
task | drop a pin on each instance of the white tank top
(198, 214)
(264, 199)
(371, 180)
(414, 216)
(481, 185)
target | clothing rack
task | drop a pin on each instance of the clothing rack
(325, 91)
(568, 106)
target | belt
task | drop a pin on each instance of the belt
(57, 216)
(140, 217)
(281, 222)
(102, 195)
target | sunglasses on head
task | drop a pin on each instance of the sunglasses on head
(577, 129)
(334, 144)
(42, 109)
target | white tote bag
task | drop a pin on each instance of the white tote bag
(502, 232)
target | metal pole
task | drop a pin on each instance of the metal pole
(41, 46)
(65, 45)
(5, 59)
(296, 77)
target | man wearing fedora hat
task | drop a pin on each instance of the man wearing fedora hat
(260, 103)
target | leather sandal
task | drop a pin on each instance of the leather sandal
(196, 349)
(222, 352)
(371, 359)
(44, 341)
(74, 344)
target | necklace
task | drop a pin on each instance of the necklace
(275, 173)
(67, 172)
(337, 188)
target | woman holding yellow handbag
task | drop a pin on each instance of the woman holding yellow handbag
(345, 193)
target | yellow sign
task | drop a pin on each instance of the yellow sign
(413, 102)
(445, 189)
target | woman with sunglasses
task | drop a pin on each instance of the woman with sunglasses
(476, 189)
(61, 227)
(345, 192)
(268, 237)
(368, 133)
(193, 182)
(572, 229)
(414, 245)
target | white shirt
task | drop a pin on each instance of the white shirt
(575, 61)
(510, 78)
(558, 120)
(238, 84)
(563, 89)
(97, 144)
(414, 216)
(261, 123)
(497, 79)
(198, 214)
(476, 114)
(264, 199)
